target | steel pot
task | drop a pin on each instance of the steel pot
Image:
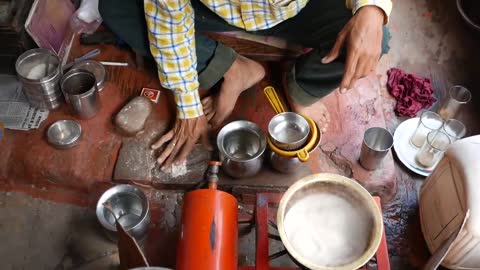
(241, 145)
(289, 165)
(131, 207)
(350, 191)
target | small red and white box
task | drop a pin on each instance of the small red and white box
(152, 94)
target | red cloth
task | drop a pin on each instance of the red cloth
(412, 93)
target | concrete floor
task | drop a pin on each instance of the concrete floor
(428, 37)
(40, 234)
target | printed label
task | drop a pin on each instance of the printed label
(152, 94)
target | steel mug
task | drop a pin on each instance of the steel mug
(377, 142)
(241, 145)
(80, 90)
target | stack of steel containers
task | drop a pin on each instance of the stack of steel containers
(39, 71)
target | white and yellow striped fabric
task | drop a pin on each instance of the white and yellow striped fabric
(172, 41)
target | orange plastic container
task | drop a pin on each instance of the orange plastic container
(209, 231)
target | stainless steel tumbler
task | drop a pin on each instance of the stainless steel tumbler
(377, 142)
(80, 90)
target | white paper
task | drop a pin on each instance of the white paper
(15, 111)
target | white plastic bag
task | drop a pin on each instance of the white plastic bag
(87, 18)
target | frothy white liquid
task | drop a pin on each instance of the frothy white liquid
(327, 229)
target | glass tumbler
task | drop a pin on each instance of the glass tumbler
(454, 129)
(429, 121)
(433, 148)
(457, 96)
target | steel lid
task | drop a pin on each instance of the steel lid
(64, 134)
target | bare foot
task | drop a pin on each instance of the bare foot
(317, 111)
(243, 74)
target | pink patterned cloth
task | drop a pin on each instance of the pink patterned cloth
(412, 93)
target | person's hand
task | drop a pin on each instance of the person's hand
(362, 37)
(182, 137)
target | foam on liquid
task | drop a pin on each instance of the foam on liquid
(327, 229)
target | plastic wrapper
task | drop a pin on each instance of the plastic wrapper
(87, 18)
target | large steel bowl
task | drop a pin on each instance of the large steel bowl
(131, 208)
(354, 195)
(241, 145)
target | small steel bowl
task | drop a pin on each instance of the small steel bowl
(94, 67)
(131, 208)
(64, 134)
(288, 130)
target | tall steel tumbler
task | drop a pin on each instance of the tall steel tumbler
(80, 90)
(376, 144)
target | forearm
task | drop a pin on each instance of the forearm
(171, 34)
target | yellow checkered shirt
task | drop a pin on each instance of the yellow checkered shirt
(172, 43)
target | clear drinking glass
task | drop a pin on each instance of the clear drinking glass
(457, 96)
(454, 129)
(433, 148)
(429, 121)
